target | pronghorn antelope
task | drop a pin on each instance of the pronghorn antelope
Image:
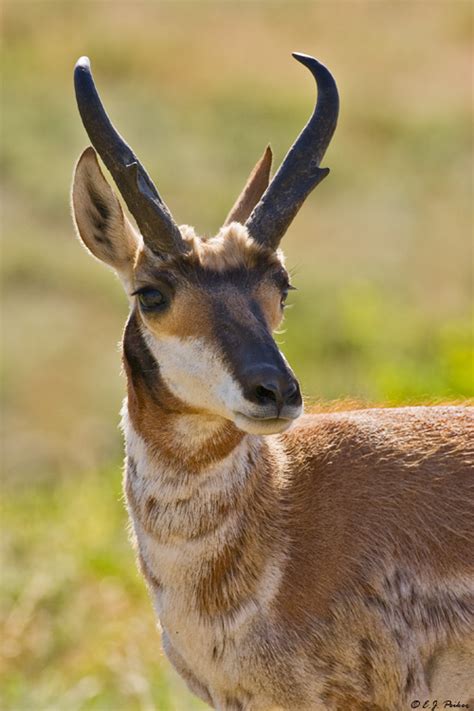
(323, 565)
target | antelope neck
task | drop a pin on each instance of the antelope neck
(208, 515)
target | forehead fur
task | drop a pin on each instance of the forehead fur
(231, 249)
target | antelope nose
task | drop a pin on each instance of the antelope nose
(269, 386)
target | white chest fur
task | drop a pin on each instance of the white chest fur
(184, 522)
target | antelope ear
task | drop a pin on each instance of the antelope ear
(254, 188)
(99, 218)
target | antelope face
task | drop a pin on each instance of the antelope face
(207, 318)
(203, 311)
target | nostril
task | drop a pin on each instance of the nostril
(267, 393)
(271, 388)
(292, 394)
(277, 390)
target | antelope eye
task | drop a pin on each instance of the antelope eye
(284, 296)
(151, 299)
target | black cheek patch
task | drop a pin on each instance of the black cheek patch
(141, 364)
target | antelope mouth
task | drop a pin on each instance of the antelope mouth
(262, 425)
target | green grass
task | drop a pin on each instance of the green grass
(381, 255)
(78, 628)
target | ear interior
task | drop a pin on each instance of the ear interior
(100, 221)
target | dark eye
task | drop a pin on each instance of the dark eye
(151, 299)
(284, 294)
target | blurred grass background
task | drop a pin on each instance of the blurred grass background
(381, 255)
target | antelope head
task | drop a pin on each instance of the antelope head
(202, 310)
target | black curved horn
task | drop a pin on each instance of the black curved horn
(154, 220)
(300, 172)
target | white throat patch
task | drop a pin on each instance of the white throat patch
(196, 374)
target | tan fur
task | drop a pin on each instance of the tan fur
(327, 567)
(231, 248)
(387, 552)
